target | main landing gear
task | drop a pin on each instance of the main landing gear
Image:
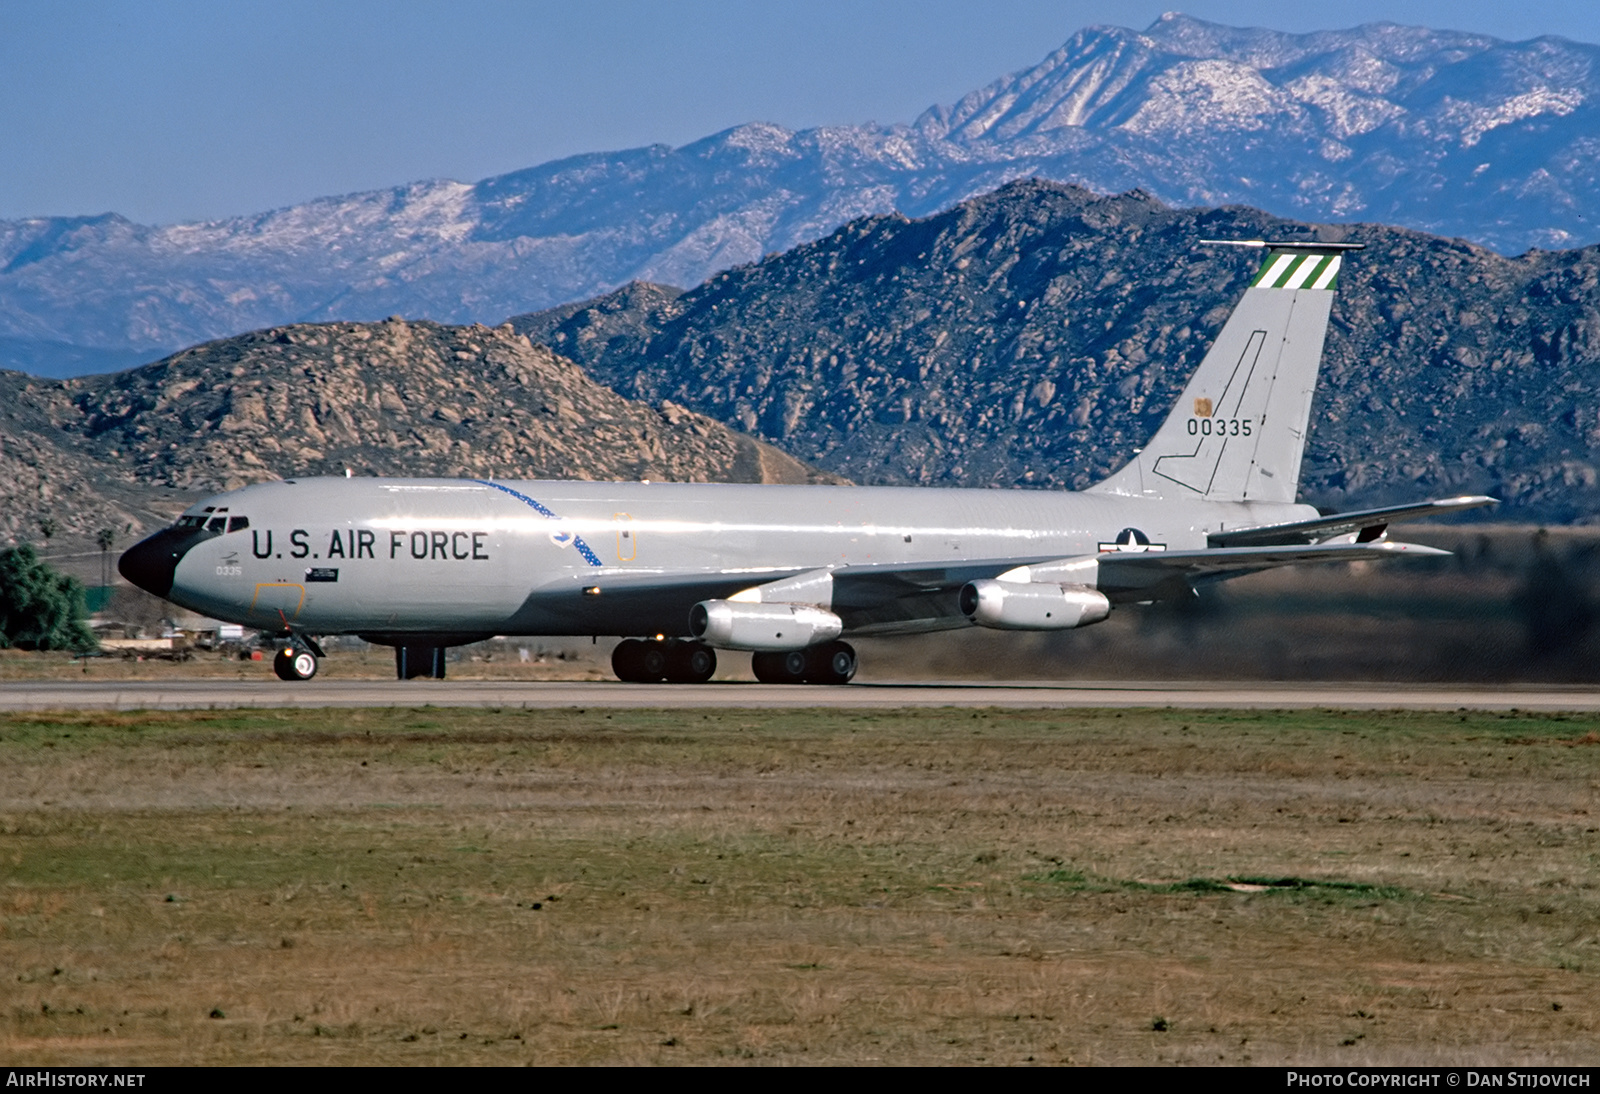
(829, 663)
(680, 661)
(671, 659)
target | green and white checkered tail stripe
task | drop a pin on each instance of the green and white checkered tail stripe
(1298, 270)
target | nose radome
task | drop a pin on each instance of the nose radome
(151, 563)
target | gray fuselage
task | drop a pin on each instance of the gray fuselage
(458, 557)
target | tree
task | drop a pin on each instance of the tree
(40, 609)
(105, 537)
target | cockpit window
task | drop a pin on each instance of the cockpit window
(213, 520)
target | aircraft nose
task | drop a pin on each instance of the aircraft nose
(152, 562)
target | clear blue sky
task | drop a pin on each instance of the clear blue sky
(169, 110)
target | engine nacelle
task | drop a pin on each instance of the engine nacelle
(1032, 605)
(741, 625)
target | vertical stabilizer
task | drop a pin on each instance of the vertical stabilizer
(1239, 429)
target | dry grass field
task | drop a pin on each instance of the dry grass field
(452, 886)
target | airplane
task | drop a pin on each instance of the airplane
(681, 571)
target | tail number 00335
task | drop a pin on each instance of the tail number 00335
(1219, 427)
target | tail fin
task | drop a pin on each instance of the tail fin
(1239, 429)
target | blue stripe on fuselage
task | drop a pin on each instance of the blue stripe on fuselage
(577, 541)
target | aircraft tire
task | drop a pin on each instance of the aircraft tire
(786, 667)
(293, 664)
(690, 663)
(830, 663)
(641, 662)
(653, 662)
(626, 661)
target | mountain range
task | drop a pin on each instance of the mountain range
(128, 452)
(1455, 134)
(1035, 335)
(1030, 337)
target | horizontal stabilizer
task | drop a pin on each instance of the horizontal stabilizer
(1369, 521)
(1306, 246)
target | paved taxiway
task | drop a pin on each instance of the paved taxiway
(221, 694)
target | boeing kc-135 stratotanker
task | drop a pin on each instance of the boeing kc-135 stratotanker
(785, 572)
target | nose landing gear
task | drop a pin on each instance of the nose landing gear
(297, 656)
(293, 664)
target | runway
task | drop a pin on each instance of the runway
(225, 694)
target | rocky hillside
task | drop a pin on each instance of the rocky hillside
(1036, 335)
(390, 398)
(1458, 134)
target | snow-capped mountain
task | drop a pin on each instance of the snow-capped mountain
(1456, 134)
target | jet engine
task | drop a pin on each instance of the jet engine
(738, 625)
(1032, 605)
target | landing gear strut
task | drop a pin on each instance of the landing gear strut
(674, 660)
(829, 663)
(411, 662)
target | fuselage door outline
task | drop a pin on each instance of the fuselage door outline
(627, 538)
(278, 596)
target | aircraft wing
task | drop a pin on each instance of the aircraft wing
(908, 598)
(1366, 524)
(1157, 575)
(884, 599)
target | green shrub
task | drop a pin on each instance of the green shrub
(40, 609)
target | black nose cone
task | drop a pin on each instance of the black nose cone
(151, 563)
